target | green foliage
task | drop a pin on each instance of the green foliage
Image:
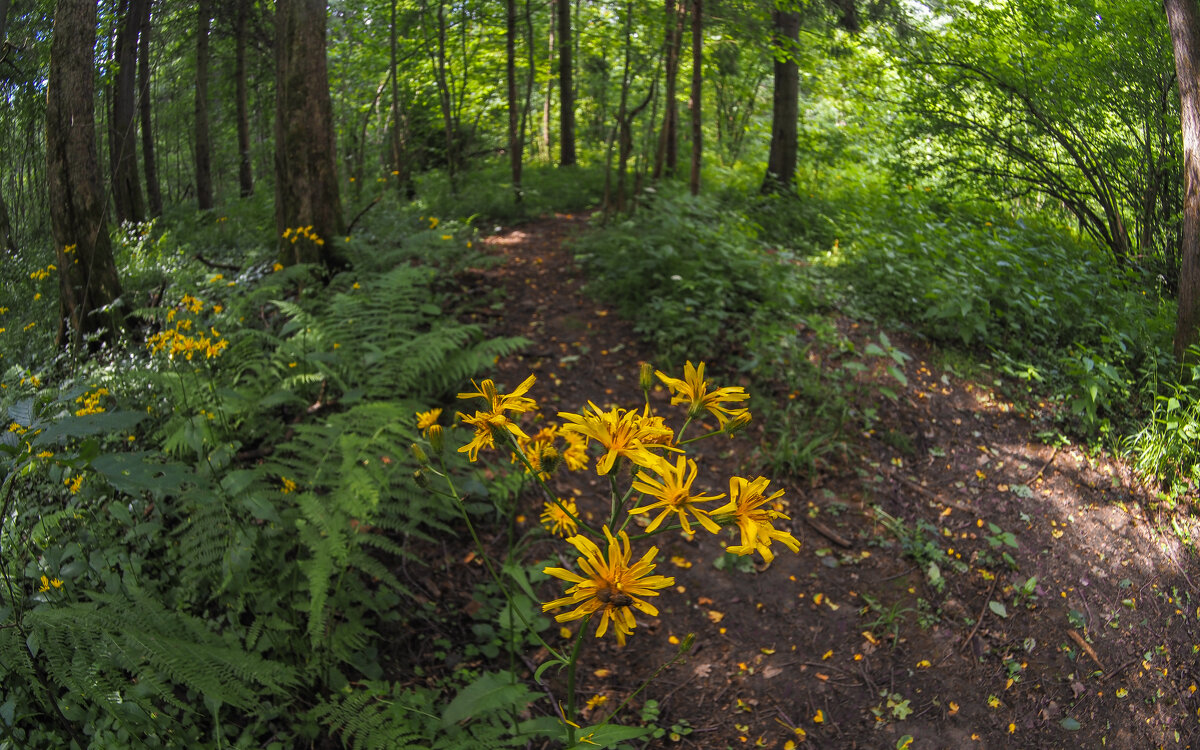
(192, 538)
(689, 273)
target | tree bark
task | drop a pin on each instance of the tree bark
(514, 104)
(548, 102)
(666, 160)
(697, 81)
(1183, 21)
(126, 185)
(7, 240)
(204, 189)
(154, 199)
(398, 140)
(306, 184)
(785, 107)
(245, 169)
(88, 282)
(566, 87)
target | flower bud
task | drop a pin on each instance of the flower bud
(419, 453)
(646, 376)
(737, 422)
(550, 459)
(421, 479)
(437, 439)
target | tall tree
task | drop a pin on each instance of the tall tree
(398, 130)
(306, 184)
(245, 171)
(88, 282)
(515, 146)
(7, 241)
(566, 87)
(204, 188)
(785, 106)
(1184, 23)
(666, 160)
(154, 199)
(697, 90)
(126, 184)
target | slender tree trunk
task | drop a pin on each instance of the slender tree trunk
(306, 184)
(697, 81)
(126, 185)
(566, 87)
(88, 282)
(7, 240)
(531, 75)
(204, 188)
(548, 104)
(1184, 23)
(439, 63)
(514, 104)
(785, 107)
(245, 169)
(666, 160)
(401, 171)
(149, 165)
(623, 135)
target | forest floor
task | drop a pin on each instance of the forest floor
(848, 644)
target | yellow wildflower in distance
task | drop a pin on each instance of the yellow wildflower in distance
(426, 419)
(47, 583)
(286, 485)
(673, 492)
(485, 422)
(693, 390)
(540, 452)
(618, 433)
(609, 586)
(746, 501)
(575, 454)
(74, 483)
(557, 521)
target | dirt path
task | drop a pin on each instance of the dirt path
(854, 643)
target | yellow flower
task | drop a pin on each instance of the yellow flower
(618, 432)
(693, 390)
(485, 422)
(610, 585)
(217, 309)
(433, 222)
(557, 521)
(278, 266)
(356, 286)
(674, 495)
(746, 501)
(74, 483)
(540, 452)
(596, 701)
(426, 419)
(47, 583)
(286, 485)
(575, 454)
(217, 277)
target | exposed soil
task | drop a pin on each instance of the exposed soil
(848, 644)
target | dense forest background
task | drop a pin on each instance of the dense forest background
(239, 239)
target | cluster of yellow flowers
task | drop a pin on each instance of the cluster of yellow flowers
(91, 402)
(42, 273)
(74, 483)
(178, 339)
(305, 232)
(610, 583)
(48, 583)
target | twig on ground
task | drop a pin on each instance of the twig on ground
(982, 614)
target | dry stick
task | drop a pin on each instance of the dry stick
(982, 614)
(1087, 647)
(1120, 669)
(926, 491)
(1045, 466)
(828, 533)
(215, 264)
(359, 215)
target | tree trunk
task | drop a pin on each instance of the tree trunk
(149, 166)
(88, 282)
(785, 107)
(697, 80)
(204, 189)
(126, 185)
(306, 184)
(245, 171)
(566, 89)
(7, 241)
(548, 103)
(1184, 23)
(666, 160)
(399, 126)
(514, 104)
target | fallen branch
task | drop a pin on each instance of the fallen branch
(1045, 466)
(215, 264)
(1087, 647)
(828, 533)
(359, 215)
(982, 613)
